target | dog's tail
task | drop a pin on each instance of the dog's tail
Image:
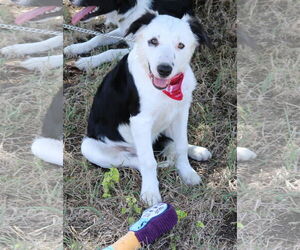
(49, 150)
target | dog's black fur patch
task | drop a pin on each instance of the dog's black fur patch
(198, 30)
(125, 5)
(161, 143)
(53, 120)
(115, 101)
(176, 8)
(106, 6)
(137, 24)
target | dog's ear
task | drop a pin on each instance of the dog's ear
(199, 32)
(143, 20)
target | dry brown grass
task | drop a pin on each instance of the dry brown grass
(268, 121)
(30, 190)
(93, 221)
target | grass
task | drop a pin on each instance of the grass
(210, 220)
(31, 191)
(268, 121)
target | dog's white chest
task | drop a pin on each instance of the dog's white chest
(160, 115)
(163, 115)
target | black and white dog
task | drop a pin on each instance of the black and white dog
(121, 13)
(44, 11)
(147, 97)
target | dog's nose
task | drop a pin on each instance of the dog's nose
(164, 70)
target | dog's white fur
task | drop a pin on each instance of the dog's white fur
(86, 63)
(49, 150)
(244, 154)
(158, 113)
(43, 63)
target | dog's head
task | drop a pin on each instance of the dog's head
(166, 44)
(38, 2)
(100, 7)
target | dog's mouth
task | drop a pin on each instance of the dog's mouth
(86, 14)
(159, 83)
(39, 14)
(171, 87)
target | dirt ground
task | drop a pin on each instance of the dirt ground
(210, 219)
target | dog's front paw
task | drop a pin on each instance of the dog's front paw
(151, 196)
(190, 176)
(199, 153)
(75, 49)
(245, 154)
(84, 63)
(34, 64)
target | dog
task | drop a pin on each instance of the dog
(49, 9)
(147, 97)
(121, 13)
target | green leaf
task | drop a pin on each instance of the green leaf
(123, 210)
(111, 178)
(131, 220)
(181, 214)
(137, 209)
(239, 225)
(200, 224)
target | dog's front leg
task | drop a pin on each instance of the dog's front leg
(33, 48)
(91, 62)
(141, 132)
(43, 63)
(178, 132)
(80, 48)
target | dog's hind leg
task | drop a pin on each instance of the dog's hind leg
(97, 41)
(107, 156)
(49, 150)
(194, 152)
(244, 154)
(95, 61)
(198, 153)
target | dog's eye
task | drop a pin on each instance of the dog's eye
(153, 42)
(181, 46)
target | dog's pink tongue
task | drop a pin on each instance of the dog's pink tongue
(29, 15)
(81, 14)
(160, 83)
